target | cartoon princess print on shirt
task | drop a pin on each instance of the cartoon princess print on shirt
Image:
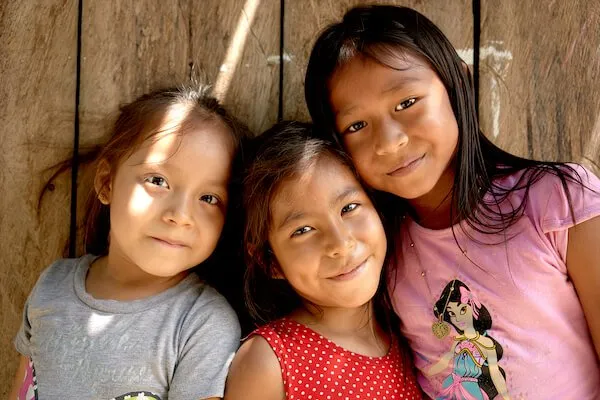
(474, 355)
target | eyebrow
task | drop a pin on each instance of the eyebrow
(392, 87)
(399, 82)
(345, 193)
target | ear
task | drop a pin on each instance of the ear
(103, 182)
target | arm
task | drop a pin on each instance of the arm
(496, 375)
(442, 364)
(583, 266)
(19, 378)
(255, 373)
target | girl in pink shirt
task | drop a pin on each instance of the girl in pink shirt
(496, 268)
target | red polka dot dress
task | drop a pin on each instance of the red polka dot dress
(313, 367)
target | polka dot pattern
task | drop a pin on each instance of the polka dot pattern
(313, 367)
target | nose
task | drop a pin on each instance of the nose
(178, 211)
(340, 241)
(390, 135)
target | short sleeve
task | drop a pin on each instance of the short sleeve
(209, 339)
(563, 210)
(22, 340)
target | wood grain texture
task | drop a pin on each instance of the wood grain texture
(539, 83)
(304, 19)
(236, 45)
(130, 48)
(37, 100)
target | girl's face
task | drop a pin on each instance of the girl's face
(327, 237)
(168, 200)
(461, 315)
(397, 124)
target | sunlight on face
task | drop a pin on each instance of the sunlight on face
(158, 151)
(327, 236)
(169, 197)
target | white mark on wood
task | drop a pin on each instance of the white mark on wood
(498, 59)
(235, 49)
(275, 59)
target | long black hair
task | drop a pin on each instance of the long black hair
(452, 294)
(378, 31)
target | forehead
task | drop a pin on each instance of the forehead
(173, 137)
(314, 188)
(387, 72)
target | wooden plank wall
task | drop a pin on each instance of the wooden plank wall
(540, 78)
(37, 103)
(539, 67)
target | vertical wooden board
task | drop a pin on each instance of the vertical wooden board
(37, 101)
(305, 19)
(539, 78)
(235, 44)
(128, 48)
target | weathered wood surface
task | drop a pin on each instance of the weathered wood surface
(37, 100)
(133, 47)
(539, 66)
(304, 19)
(539, 82)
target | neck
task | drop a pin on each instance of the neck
(109, 278)
(432, 210)
(340, 320)
(354, 329)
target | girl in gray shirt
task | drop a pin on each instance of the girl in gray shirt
(131, 319)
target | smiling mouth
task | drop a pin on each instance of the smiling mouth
(406, 166)
(173, 244)
(351, 273)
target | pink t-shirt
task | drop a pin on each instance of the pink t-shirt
(512, 317)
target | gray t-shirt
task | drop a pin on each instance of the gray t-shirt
(177, 344)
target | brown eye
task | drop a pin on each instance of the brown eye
(463, 310)
(210, 199)
(357, 126)
(406, 104)
(349, 207)
(301, 231)
(157, 181)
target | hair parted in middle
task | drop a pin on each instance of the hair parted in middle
(280, 154)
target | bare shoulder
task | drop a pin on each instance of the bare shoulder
(255, 372)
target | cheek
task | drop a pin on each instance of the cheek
(371, 230)
(213, 225)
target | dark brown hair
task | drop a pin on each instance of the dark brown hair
(281, 153)
(138, 121)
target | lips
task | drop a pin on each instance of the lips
(351, 271)
(406, 165)
(170, 242)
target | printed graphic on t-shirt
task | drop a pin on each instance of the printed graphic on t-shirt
(139, 395)
(28, 390)
(471, 365)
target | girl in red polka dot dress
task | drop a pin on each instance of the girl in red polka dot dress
(315, 253)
